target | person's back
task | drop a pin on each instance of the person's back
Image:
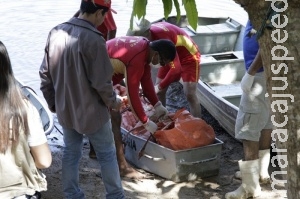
(133, 52)
(185, 46)
(23, 143)
(108, 29)
(126, 49)
(186, 65)
(131, 58)
(72, 65)
(76, 82)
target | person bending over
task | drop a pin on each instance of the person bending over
(131, 58)
(186, 64)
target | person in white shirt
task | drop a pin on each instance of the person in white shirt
(23, 144)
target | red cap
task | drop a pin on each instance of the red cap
(105, 3)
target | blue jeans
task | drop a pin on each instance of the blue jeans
(103, 142)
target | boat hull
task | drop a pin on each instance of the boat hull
(45, 115)
(219, 86)
(221, 109)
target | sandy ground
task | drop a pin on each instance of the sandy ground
(154, 186)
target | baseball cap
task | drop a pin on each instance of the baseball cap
(104, 3)
(165, 48)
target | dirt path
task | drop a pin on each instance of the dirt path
(154, 186)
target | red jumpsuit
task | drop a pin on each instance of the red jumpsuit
(133, 52)
(108, 25)
(187, 60)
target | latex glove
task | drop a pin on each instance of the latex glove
(159, 112)
(117, 104)
(247, 82)
(150, 126)
(157, 89)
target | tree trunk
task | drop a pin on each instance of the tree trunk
(283, 78)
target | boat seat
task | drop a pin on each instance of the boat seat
(227, 90)
(222, 68)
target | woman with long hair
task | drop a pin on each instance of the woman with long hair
(23, 144)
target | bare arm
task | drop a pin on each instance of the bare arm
(41, 155)
(256, 64)
(37, 140)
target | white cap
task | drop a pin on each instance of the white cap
(140, 26)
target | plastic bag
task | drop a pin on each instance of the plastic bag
(188, 132)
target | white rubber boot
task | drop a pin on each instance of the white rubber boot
(264, 161)
(250, 181)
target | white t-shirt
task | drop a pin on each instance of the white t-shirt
(36, 132)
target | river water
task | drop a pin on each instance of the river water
(25, 25)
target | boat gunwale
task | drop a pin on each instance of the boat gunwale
(27, 91)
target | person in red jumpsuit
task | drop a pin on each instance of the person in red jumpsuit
(186, 64)
(131, 58)
(109, 29)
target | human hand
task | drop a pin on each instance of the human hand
(159, 111)
(150, 126)
(247, 82)
(117, 104)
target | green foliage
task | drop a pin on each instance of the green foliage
(139, 10)
(191, 12)
(176, 4)
(167, 7)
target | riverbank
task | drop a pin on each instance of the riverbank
(155, 187)
(26, 49)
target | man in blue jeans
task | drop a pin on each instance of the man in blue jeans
(76, 82)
